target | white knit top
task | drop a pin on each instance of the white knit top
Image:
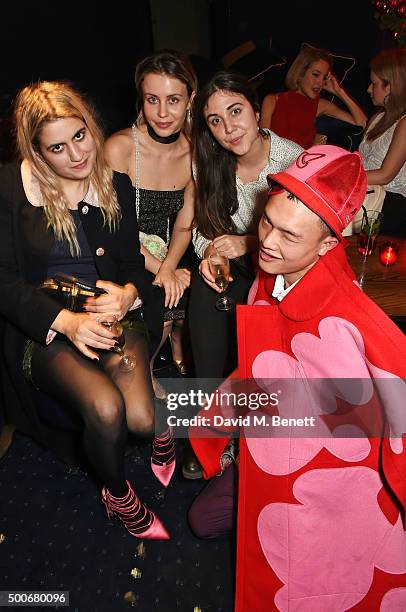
(252, 196)
(374, 152)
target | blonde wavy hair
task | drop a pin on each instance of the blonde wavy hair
(305, 58)
(47, 101)
(390, 67)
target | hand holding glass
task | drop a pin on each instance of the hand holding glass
(127, 362)
(220, 269)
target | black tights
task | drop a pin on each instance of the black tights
(108, 400)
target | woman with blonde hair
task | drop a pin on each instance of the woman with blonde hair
(155, 152)
(62, 210)
(383, 147)
(292, 114)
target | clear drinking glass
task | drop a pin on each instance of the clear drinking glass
(220, 268)
(370, 226)
(128, 361)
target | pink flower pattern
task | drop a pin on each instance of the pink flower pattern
(394, 601)
(325, 548)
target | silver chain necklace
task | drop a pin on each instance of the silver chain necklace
(137, 178)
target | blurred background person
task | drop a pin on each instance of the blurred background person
(292, 114)
(383, 147)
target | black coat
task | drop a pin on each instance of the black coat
(25, 243)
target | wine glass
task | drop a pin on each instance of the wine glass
(128, 361)
(220, 268)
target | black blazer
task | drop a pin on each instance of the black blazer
(26, 312)
(25, 243)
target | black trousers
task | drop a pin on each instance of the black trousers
(394, 215)
(212, 513)
(213, 333)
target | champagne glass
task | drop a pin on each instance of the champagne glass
(128, 361)
(220, 268)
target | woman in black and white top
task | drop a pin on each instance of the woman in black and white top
(232, 159)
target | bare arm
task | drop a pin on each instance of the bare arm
(118, 152)
(355, 114)
(182, 232)
(394, 159)
(267, 109)
(152, 264)
(174, 280)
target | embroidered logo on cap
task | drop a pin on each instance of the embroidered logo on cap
(305, 158)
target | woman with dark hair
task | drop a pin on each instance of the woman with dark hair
(63, 210)
(383, 147)
(292, 114)
(233, 157)
(155, 152)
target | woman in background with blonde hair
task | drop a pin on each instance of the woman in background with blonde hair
(292, 114)
(62, 210)
(383, 147)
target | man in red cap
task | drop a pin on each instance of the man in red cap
(321, 494)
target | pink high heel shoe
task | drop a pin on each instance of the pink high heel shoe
(134, 515)
(163, 459)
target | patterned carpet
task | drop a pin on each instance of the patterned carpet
(57, 537)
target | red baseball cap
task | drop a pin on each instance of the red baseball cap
(329, 180)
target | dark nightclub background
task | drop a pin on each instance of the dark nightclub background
(97, 48)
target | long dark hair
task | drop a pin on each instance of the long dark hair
(216, 192)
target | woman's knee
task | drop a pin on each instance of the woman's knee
(107, 412)
(198, 523)
(141, 420)
(207, 522)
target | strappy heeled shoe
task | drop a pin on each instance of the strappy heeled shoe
(134, 515)
(163, 458)
(181, 367)
(159, 391)
(180, 364)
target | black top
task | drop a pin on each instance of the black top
(157, 209)
(26, 242)
(61, 260)
(25, 310)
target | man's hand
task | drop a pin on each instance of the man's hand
(231, 246)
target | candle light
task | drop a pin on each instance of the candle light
(388, 253)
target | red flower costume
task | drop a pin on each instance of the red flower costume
(320, 512)
(319, 526)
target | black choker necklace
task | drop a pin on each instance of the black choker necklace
(162, 139)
